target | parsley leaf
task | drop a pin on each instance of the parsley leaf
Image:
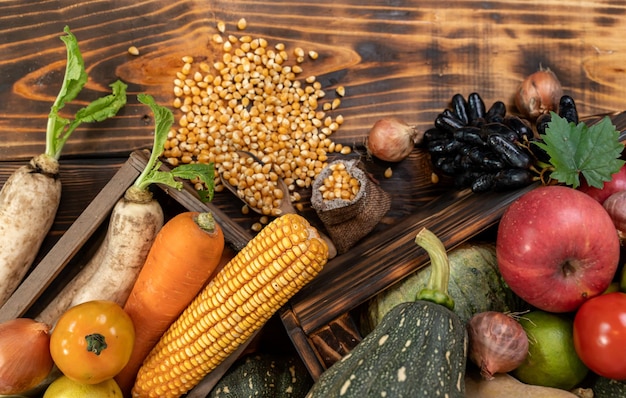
(579, 149)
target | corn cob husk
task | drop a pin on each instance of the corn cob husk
(260, 279)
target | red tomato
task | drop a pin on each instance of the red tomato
(600, 335)
(91, 342)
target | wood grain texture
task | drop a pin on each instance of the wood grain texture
(403, 58)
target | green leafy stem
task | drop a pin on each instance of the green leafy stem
(152, 173)
(59, 128)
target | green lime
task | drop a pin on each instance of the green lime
(552, 360)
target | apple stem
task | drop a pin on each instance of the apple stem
(437, 288)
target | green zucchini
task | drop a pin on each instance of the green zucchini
(263, 375)
(419, 349)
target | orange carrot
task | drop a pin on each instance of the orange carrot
(183, 257)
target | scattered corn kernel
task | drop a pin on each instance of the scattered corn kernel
(341, 91)
(313, 54)
(242, 24)
(434, 178)
(256, 227)
(221, 26)
(388, 172)
(132, 50)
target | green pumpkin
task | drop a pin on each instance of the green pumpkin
(418, 350)
(475, 286)
(264, 376)
(608, 388)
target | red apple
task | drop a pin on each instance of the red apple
(616, 184)
(556, 248)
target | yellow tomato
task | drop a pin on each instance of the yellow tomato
(64, 387)
(92, 341)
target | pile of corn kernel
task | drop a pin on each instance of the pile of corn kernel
(339, 184)
(255, 99)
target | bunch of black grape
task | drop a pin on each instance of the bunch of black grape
(486, 149)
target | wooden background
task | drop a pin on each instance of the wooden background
(397, 58)
(402, 58)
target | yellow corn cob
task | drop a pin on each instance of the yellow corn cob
(261, 278)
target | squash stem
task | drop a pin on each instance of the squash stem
(437, 288)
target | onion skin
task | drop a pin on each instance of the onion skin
(539, 93)
(615, 205)
(497, 343)
(25, 358)
(392, 140)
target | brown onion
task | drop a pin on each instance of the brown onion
(539, 93)
(497, 343)
(25, 358)
(392, 140)
(615, 205)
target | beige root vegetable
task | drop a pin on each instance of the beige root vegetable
(505, 385)
(30, 197)
(29, 201)
(112, 270)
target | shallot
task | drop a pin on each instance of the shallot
(392, 140)
(615, 205)
(25, 358)
(497, 343)
(539, 93)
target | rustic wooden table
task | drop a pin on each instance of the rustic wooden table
(401, 58)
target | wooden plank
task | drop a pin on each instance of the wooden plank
(404, 60)
(68, 245)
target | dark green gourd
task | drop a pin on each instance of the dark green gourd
(419, 349)
(263, 375)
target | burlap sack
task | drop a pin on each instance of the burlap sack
(349, 221)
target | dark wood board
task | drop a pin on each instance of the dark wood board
(404, 58)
